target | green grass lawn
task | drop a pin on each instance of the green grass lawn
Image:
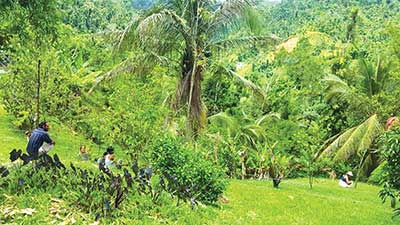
(9, 136)
(257, 202)
(250, 201)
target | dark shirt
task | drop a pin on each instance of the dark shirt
(343, 178)
(38, 137)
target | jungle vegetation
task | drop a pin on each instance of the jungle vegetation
(210, 90)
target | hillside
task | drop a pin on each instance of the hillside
(67, 141)
(206, 102)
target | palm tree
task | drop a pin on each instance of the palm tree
(355, 142)
(358, 140)
(191, 30)
(247, 133)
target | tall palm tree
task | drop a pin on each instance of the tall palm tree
(191, 30)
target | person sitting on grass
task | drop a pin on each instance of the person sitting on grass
(36, 144)
(109, 159)
(83, 153)
(345, 180)
(106, 155)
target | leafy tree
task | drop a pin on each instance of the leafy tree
(96, 15)
(36, 22)
(390, 152)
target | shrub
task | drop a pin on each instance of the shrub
(390, 151)
(187, 172)
(377, 176)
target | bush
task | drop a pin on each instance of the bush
(186, 171)
(390, 151)
(377, 176)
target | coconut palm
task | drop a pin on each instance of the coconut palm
(191, 30)
(357, 141)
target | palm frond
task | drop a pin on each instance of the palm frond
(382, 71)
(235, 16)
(332, 148)
(163, 20)
(124, 67)
(337, 88)
(257, 90)
(253, 132)
(262, 120)
(225, 121)
(367, 71)
(128, 35)
(229, 10)
(245, 41)
(355, 140)
(324, 146)
(137, 63)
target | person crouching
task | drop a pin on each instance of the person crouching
(36, 144)
(345, 180)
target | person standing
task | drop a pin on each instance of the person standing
(37, 139)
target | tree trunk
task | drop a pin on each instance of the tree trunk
(310, 174)
(188, 93)
(243, 161)
(38, 94)
(360, 167)
(276, 182)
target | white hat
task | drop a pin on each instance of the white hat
(349, 173)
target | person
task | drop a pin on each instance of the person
(106, 159)
(109, 161)
(36, 144)
(345, 180)
(390, 122)
(83, 153)
(109, 158)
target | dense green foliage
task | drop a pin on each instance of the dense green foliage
(391, 174)
(199, 179)
(259, 90)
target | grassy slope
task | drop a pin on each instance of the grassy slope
(67, 141)
(251, 202)
(9, 137)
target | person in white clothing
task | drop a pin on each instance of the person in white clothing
(345, 180)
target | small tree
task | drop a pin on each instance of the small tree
(278, 166)
(35, 24)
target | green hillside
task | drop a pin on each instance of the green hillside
(206, 104)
